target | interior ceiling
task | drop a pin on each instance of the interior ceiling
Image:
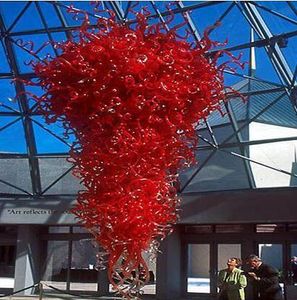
(33, 154)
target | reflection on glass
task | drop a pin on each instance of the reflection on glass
(83, 275)
(198, 268)
(7, 263)
(272, 254)
(283, 159)
(293, 265)
(58, 229)
(79, 229)
(56, 264)
(150, 288)
(226, 251)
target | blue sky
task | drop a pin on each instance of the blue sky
(234, 27)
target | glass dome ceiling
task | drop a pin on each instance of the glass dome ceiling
(254, 145)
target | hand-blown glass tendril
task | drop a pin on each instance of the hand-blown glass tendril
(131, 95)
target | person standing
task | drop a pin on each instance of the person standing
(232, 281)
(294, 269)
(264, 279)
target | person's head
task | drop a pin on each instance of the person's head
(233, 262)
(254, 261)
(294, 259)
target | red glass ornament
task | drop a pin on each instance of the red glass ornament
(131, 95)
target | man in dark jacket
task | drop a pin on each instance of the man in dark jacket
(264, 280)
(294, 269)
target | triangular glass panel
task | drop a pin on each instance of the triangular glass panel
(264, 67)
(4, 68)
(8, 96)
(47, 142)
(7, 189)
(6, 122)
(48, 10)
(206, 16)
(205, 138)
(73, 19)
(35, 91)
(231, 79)
(281, 114)
(257, 95)
(59, 36)
(10, 11)
(186, 174)
(16, 172)
(30, 20)
(162, 6)
(271, 108)
(12, 139)
(280, 111)
(226, 133)
(36, 44)
(137, 7)
(224, 171)
(234, 28)
(217, 117)
(284, 159)
(219, 125)
(275, 23)
(51, 169)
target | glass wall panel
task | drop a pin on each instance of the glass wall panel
(83, 275)
(272, 254)
(56, 264)
(7, 265)
(198, 280)
(221, 172)
(150, 288)
(293, 265)
(282, 159)
(226, 251)
(58, 229)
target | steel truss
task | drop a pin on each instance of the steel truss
(250, 11)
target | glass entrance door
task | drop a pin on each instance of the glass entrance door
(273, 255)
(204, 262)
(198, 271)
(7, 266)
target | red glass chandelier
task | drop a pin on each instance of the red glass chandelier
(131, 95)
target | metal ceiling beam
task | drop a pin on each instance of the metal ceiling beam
(190, 22)
(28, 127)
(44, 23)
(253, 78)
(118, 10)
(242, 149)
(19, 16)
(61, 18)
(264, 42)
(274, 52)
(276, 56)
(255, 117)
(247, 143)
(293, 8)
(275, 13)
(57, 180)
(157, 11)
(7, 155)
(246, 158)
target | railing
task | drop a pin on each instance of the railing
(41, 293)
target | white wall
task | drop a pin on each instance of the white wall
(280, 155)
